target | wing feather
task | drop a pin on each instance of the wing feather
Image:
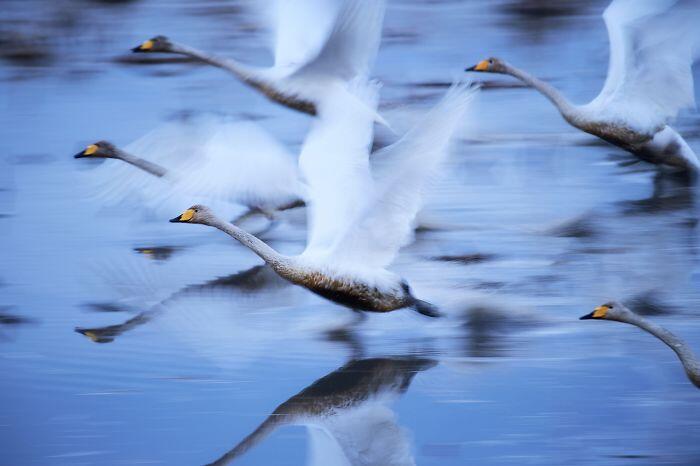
(653, 44)
(400, 173)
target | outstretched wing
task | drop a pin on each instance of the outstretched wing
(400, 172)
(208, 159)
(334, 163)
(241, 162)
(653, 44)
(352, 44)
(299, 28)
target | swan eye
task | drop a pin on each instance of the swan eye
(490, 61)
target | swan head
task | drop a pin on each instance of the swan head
(609, 311)
(100, 149)
(195, 214)
(155, 44)
(490, 65)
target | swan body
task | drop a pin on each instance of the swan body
(347, 414)
(652, 47)
(359, 215)
(217, 160)
(319, 44)
(618, 312)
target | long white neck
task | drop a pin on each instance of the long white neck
(277, 261)
(150, 167)
(566, 108)
(690, 362)
(247, 74)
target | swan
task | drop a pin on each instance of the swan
(359, 216)
(620, 313)
(649, 80)
(346, 413)
(318, 43)
(229, 161)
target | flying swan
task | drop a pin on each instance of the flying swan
(218, 159)
(317, 44)
(649, 80)
(359, 216)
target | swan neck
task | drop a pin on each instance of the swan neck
(241, 71)
(557, 98)
(690, 362)
(150, 167)
(276, 260)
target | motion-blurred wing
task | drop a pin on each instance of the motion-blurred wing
(208, 159)
(352, 45)
(300, 29)
(653, 44)
(334, 163)
(400, 173)
(241, 162)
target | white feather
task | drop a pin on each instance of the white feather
(208, 158)
(360, 215)
(653, 44)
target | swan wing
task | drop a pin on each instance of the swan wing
(299, 28)
(241, 162)
(352, 44)
(334, 163)
(400, 173)
(652, 49)
(208, 159)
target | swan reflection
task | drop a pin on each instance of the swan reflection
(348, 415)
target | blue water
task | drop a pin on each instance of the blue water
(184, 366)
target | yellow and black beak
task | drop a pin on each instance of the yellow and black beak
(598, 313)
(145, 47)
(89, 150)
(184, 217)
(481, 66)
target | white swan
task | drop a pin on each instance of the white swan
(618, 312)
(347, 415)
(318, 44)
(215, 159)
(649, 80)
(359, 216)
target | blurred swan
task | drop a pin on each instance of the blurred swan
(649, 80)
(359, 215)
(219, 160)
(317, 44)
(347, 415)
(620, 313)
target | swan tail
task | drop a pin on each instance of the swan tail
(425, 308)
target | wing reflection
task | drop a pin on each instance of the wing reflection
(347, 414)
(251, 280)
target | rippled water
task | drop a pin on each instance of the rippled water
(186, 344)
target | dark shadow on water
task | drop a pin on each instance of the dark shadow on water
(467, 259)
(672, 192)
(10, 320)
(334, 402)
(158, 253)
(489, 330)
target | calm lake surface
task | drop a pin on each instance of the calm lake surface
(187, 344)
